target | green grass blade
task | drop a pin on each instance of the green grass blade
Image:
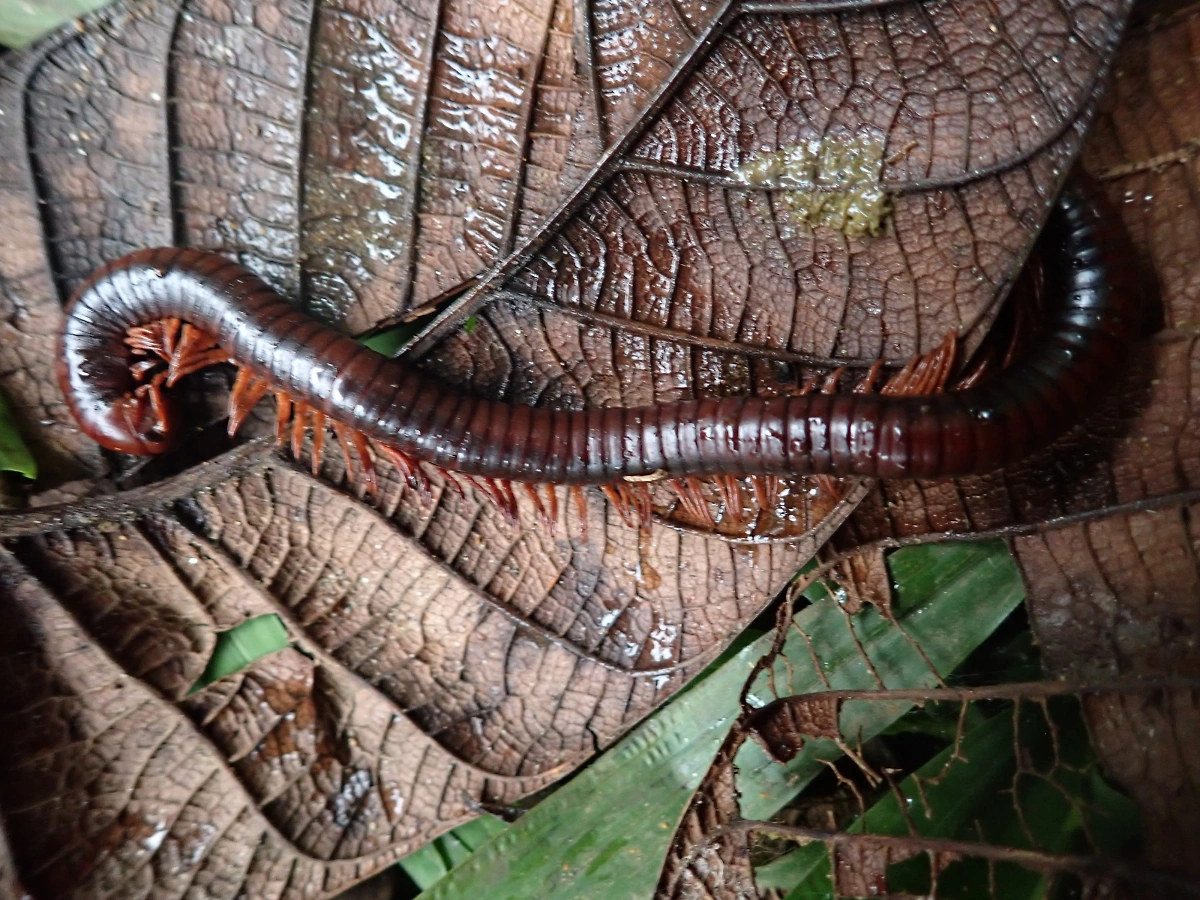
(24, 21)
(606, 832)
(14, 455)
(949, 599)
(966, 786)
(972, 802)
(438, 857)
(241, 645)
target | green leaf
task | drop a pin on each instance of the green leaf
(939, 720)
(1056, 801)
(24, 21)
(390, 340)
(971, 802)
(437, 858)
(606, 832)
(14, 455)
(1065, 806)
(940, 810)
(1047, 814)
(949, 598)
(242, 645)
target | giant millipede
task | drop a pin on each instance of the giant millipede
(191, 309)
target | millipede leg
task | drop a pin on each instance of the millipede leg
(318, 439)
(299, 426)
(133, 411)
(1018, 333)
(617, 498)
(200, 361)
(980, 366)
(152, 392)
(831, 381)
(697, 492)
(169, 329)
(580, 498)
(771, 485)
(731, 496)
(247, 391)
(948, 352)
(453, 480)
(156, 338)
(681, 492)
(410, 470)
(827, 484)
(419, 481)
(283, 415)
(691, 498)
(144, 367)
(195, 350)
(339, 431)
(318, 445)
(864, 387)
(492, 492)
(505, 498)
(922, 374)
(359, 440)
(766, 490)
(925, 374)
(640, 495)
(898, 383)
(355, 444)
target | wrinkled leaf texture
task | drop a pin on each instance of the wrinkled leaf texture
(566, 174)
(1104, 525)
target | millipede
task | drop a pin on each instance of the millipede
(142, 322)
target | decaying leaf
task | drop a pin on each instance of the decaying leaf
(605, 833)
(712, 850)
(587, 181)
(1108, 549)
(1119, 596)
(860, 870)
(431, 672)
(783, 734)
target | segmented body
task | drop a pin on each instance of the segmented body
(1092, 315)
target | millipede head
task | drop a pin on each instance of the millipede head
(121, 416)
(143, 424)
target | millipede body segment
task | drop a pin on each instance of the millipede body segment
(193, 308)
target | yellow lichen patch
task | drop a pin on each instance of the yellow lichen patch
(831, 182)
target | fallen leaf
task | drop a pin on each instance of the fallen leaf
(621, 199)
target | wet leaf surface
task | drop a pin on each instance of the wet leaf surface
(978, 820)
(618, 196)
(591, 839)
(1113, 582)
(429, 672)
(1140, 450)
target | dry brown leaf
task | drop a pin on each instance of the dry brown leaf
(805, 717)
